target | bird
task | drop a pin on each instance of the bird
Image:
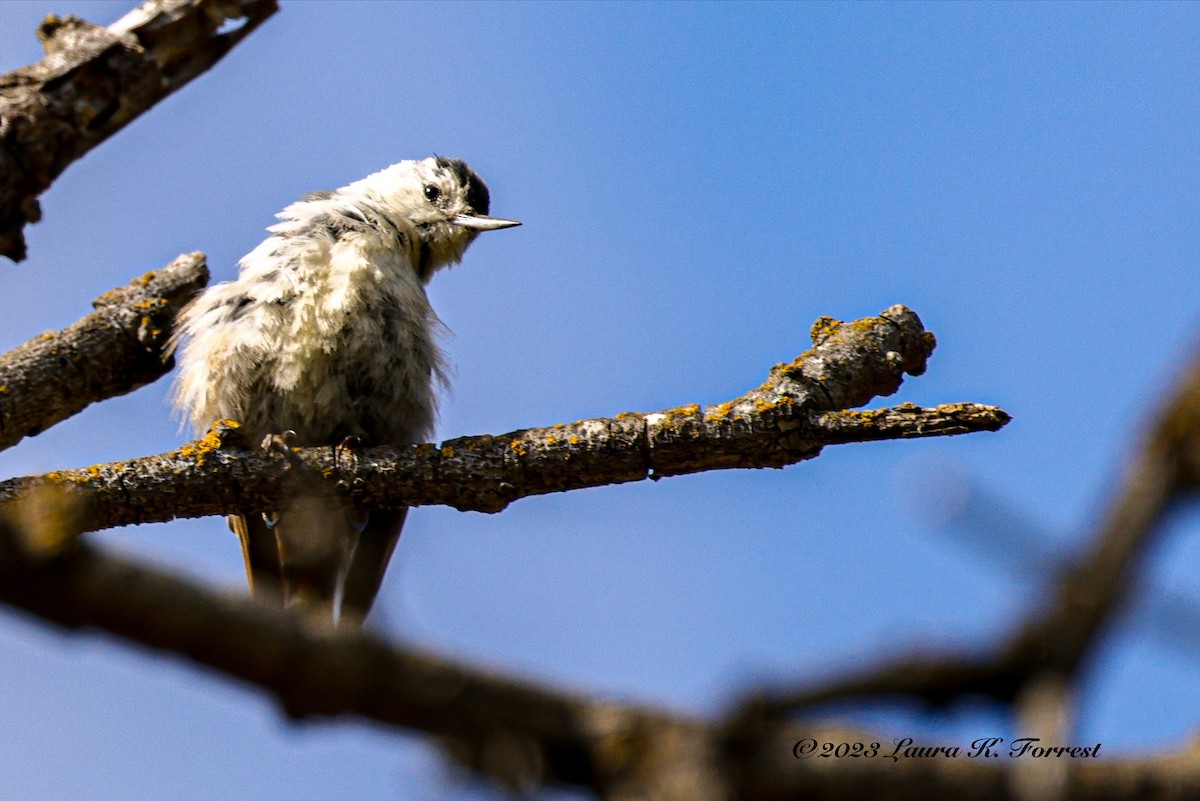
(327, 338)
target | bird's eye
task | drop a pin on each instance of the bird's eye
(432, 193)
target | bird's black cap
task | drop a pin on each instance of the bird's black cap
(477, 192)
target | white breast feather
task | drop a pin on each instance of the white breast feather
(325, 319)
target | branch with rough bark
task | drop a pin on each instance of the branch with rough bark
(93, 81)
(114, 350)
(799, 409)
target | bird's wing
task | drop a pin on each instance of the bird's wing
(261, 555)
(375, 545)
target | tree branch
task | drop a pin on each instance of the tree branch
(785, 420)
(114, 350)
(93, 81)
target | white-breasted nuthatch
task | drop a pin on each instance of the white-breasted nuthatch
(327, 334)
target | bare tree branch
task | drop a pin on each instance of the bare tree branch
(93, 81)
(114, 350)
(781, 422)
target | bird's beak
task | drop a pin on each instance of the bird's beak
(478, 222)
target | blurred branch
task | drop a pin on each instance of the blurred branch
(1057, 637)
(982, 523)
(114, 350)
(785, 420)
(515, 732)
(518, 733)
(935, 679)
(985, 524)
(1044, 710)
(93, 81)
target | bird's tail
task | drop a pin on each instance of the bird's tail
(316, 538)
(319, 555)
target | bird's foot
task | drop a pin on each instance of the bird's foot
(348, 448)
(281, 443)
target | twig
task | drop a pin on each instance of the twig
(93, 81)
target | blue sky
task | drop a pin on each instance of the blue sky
(698, 183)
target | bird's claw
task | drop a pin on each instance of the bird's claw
(281, 443)
(349, 446)
(350, 443)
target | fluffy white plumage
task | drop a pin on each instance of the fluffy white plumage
(328, 332)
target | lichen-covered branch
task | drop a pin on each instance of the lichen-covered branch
(114, 350)
(93, 81)
(790, 417)
(907, 421)
(1058, 636)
